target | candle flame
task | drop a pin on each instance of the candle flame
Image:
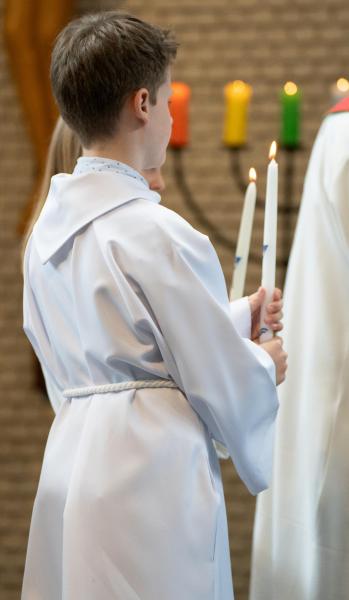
(252, 174)
(290, 88)
(272, 151)
(343, 84)
(239, 85)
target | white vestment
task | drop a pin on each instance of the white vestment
(130, 503)
(301, 537)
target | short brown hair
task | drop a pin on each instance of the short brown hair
(98, 60)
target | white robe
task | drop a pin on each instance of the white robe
(130, 503)
(301, 537)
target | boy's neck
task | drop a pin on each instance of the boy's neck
(121, 153)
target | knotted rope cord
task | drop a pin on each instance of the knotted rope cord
(118, 387)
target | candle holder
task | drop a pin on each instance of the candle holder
(286, 208)
(193, 205)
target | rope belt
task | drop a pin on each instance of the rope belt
(118, 387)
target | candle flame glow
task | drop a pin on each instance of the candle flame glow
(239, 85)
(290, 88)
(343, 84)
(272, 151)
(252, 174)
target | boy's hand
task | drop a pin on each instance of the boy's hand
(274, 311)
(279, 356)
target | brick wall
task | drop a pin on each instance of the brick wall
(264, 43)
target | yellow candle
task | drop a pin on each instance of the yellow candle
(237, 97)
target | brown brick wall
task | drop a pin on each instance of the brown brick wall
(264, 43)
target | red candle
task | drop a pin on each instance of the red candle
(179, 107)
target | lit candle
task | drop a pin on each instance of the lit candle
(290, 121)
(339, 90)
(179, 108)
(269, 240)
(237, 97)
(244, 238)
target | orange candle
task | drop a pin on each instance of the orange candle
(179, 107)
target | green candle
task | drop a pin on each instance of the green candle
(290, 107)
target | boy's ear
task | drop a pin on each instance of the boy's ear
(141, 104)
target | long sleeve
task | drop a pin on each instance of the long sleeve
(30, 314)
(241, 313)
(227, 379)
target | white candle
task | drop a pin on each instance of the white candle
(269, 240)
(244, 239)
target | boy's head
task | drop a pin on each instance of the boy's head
(99, 61)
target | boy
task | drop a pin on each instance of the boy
(127, 309)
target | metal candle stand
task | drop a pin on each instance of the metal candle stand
(285, 209)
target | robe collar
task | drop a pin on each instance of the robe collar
(75, 200)
(98, 164)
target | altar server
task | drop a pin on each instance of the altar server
(64, 151)
(126, 307)
(301, 537)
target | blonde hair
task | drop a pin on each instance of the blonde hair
(63, 152)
